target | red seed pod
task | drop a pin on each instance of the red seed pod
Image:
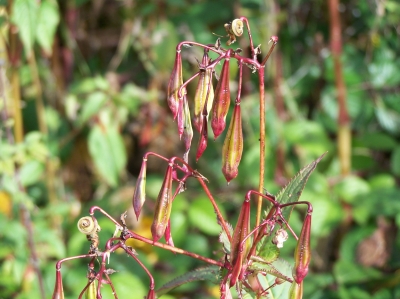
(163, 207)
(167, 235)
(58, 288)
(296, 290)
(221, 101)
(175, 82)
(139, 196)
(302, 253)
(151, 295)
(180, 117)
(233, 146)
(238, 252)
(201, 147)
(204, 94)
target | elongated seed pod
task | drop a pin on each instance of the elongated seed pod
(201, 147)
(163, 207)
(91, 290)
(221, 101)
(139, 196)
(302, 253)
(296, 290)
(151, 295)
(167, 234)
(180, 117)
(58, 292)
(175, 82)
(187, 127)
(242, 229)
(87, 225)
(204, 93)
(233, 146)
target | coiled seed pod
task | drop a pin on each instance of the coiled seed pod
(88, 226)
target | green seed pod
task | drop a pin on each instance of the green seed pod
(58, 287)
(139, 196)
(302, 253)
(204, 93)
(91, 290)
(187, 127)
(88, 226)
(175, 82)
(163, 207)
(233, 146)
(221, 101)
(296, 290)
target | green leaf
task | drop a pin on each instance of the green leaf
(202, 216)
(31, 172)
(395, 161)
(91, 106)
(24, 16)
(292, 191)
(210, 273)
(107, 150)
(377, 141)
(47, 21)
(351, 187)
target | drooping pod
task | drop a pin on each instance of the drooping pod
(296, 290)
(58, 292)
(204, 93)
(91, 290)
(233, 146)
(203, 140)
(302, 253)
(221, 101)
(163, 207)
(187, 130)
(175, 82)
(180, 117)
(139, 196)
(238, 249)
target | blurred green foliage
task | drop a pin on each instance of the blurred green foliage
(103, 68)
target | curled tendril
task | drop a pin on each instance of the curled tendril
(87, 226)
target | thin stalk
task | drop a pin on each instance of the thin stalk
(175, 249)
(262, 143)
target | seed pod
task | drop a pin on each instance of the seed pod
(151, 295)
(296, 290)
(88, 226)
(163, 207)
(233, 146)
(91, 290)
(139, 196)
(187, 127)
(221, 101)
(175, 82)
(201, 147)
(302, 253)
(242, 229)
(180, 117)
(167, 235)
(204, 93)
(58, 287)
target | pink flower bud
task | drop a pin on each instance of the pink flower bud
(302, 253)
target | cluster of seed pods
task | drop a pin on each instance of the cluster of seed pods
(208, 101)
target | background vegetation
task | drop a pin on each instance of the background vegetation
(83, 88)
